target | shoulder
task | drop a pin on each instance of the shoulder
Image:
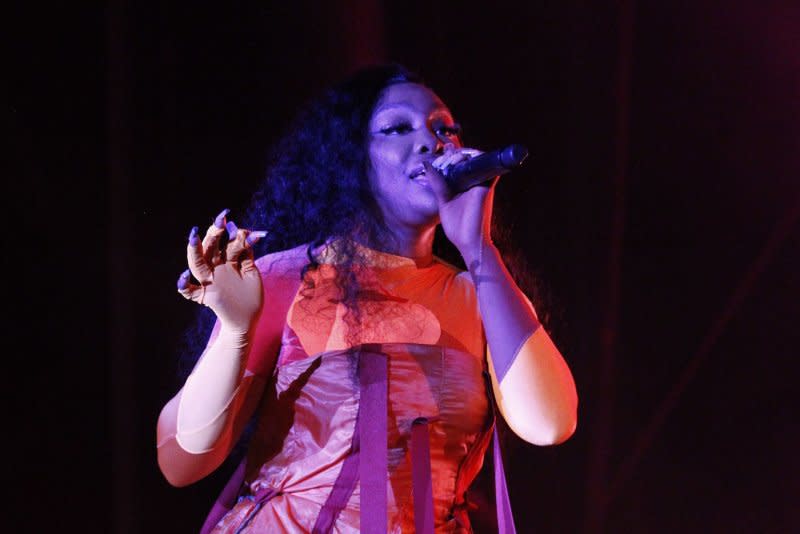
(283, 263)
(457, 279)
(451, 270)
(463, 281)
(442, 264)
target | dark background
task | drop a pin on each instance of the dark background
(659, 210)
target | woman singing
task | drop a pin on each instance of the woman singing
(368, 369)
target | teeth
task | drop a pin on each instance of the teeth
(418, 173)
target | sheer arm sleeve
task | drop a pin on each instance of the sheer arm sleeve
(187, 453)
(532, 382)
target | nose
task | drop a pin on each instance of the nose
(429, 142)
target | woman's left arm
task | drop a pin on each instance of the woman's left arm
(532, 383)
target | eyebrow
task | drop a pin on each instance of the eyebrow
(439, 110)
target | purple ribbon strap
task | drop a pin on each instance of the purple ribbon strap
(372, 373)
(367, 461)
(421, 476)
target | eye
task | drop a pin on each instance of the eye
(445, 130)
(396, 129)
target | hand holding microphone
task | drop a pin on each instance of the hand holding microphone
(465, 211)
(474, 171)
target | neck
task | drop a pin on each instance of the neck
(411, 242)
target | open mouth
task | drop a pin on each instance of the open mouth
(416, 173)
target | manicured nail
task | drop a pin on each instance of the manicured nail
(232, 229)
(183, 279)
(253, 237)
(219, 222)
(193, 239)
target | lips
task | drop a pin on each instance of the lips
(417, 172)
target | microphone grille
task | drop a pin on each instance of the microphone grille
(513, 155)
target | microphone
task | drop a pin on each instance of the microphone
(474, 171)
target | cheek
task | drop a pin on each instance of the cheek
(387, 154)
(381, 180)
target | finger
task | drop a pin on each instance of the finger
(239, 250)
(220, 219)
(211, 249)
(198, 265)
(184, 279)
(189, 290)
(455, 157)
(446, 161)
(230, 230)
(237, 246)
(471, 152)
(439, 161)
(446, 152)
(467, 153)
(255, 236)
(248, 262)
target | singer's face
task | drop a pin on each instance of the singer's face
(409, 125)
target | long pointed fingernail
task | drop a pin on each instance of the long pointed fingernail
(193, 239)
(183, 279)
(232, 229)
(253, 237)
(219, 222)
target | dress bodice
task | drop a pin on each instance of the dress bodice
(426, 323)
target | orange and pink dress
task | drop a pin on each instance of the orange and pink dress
(305, 469)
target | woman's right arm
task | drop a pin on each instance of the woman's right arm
(198, 427)
(181, 461)
(195, 431)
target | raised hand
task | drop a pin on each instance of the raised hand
(227, 280)
(466, 216)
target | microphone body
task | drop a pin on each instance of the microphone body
(484, 167)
